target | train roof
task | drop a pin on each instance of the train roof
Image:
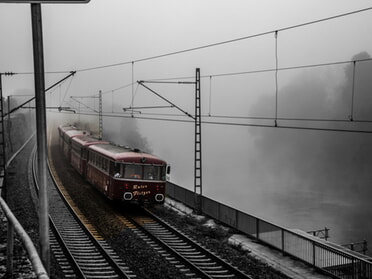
(86, 140)
(124, 154)
(65, 128)
(71, 130)
(74, 133)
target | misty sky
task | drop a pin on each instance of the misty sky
(243, 166)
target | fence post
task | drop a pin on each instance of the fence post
(33, 256)
(10, 249)
(314, 257)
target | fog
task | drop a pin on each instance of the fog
(305, 179)
(300, 178)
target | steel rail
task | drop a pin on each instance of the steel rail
(81, 258)
(198, 259)
(57, 235)
(177, 256)
(238, 273)
(103, 251)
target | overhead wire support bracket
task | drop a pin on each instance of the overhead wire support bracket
(198, 141)
(141, 82)
(149, 107)
(72, 73)
(81, 103)
(167, 82)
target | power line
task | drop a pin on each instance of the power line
(280, 126)
(224, 42)
(217, 44)
(270, 69)
(276, 70)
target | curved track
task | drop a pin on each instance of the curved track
(186, 255)
(190, 257)
(78, 252)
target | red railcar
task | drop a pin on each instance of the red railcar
(66, 134)
(120, 173)
(79, 151)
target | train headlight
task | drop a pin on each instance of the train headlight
(159, 197)
(128, 196)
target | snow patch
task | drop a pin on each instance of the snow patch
(181, 209)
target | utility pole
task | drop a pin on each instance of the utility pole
(100, 119)
(2, 142)
(198, 190)
(37, 38)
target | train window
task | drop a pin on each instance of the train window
(133, 171)
(84, 153)
(115, 169)
(76, 147)
(105, 164)
(121, 170)
(153, 172)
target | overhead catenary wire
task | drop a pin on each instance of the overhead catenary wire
(66, 91)
(268, 70)
(276, 69)
(220, 43)
(279, 126)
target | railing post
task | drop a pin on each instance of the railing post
(314, 257)
(10, 249)
(14, 225)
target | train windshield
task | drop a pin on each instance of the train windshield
(144, 172)
(153, 172)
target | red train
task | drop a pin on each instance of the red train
(120, 173)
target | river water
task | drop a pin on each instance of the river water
(327, 185)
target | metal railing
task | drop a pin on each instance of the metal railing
(330, 258)
(14, 225)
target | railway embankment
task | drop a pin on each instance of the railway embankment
(264, 254)
(141, 259)
(138, 256)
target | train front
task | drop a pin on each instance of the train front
(140, 177)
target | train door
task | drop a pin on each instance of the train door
(114, 173)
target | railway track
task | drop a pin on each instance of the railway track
(182, 253)
(186, 254)
(79, 253)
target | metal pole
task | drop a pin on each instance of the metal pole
(198, 146)
(10, 249)
(9, 128)
(2, 156)
(100, 120)
(37, 37)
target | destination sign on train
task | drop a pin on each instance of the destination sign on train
(46, 1)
